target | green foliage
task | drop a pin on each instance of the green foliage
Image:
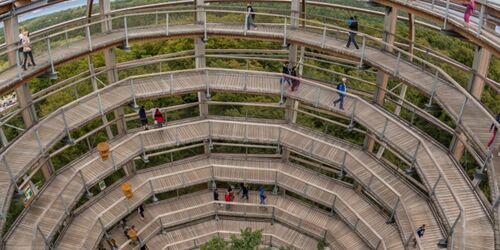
(321, 244)
(216, 243)
(248, 240)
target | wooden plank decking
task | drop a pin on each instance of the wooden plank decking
(262, 83)
(294, 178)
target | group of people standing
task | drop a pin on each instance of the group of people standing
(158, 118)
(229, 195)
(25, 48)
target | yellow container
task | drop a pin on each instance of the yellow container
(127, 190)
(103, 148)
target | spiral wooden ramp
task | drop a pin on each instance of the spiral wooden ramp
(318, 95)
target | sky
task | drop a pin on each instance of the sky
(53, 8)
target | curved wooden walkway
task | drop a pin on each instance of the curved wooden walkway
(475, 118)
(191, 237)
(486, 38)
(291, 212)
(417, 207)
(259, 82)
(349, 205)
(286, 210)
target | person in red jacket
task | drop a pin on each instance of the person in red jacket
(158, 117)
(228, 198)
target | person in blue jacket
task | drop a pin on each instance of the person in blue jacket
(262, 195)
(342, 88)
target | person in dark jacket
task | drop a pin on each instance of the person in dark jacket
(286, 73)
(143, 117)
(216, 195)
(353, 26)
(420, 234)
(140, 210)
(244, 189)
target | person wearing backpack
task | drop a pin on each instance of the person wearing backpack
(353, 26)
(341, 87)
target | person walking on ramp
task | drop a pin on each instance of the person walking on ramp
(341, 87)
(353, 26)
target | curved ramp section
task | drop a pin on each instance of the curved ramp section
(162, 216)
(315, 94)
(275, 235)
(350, 206)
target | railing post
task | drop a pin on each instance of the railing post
(446, 14)
(144, 156)
(162, 228)
(155, 199)
(112, 152)
(245, 29)
(318, 93)
(66, 38)
(414, 160)
(459, 122)
(362, 56)
(166, 24)
(382, 136)
(332, 213)
(66, 210)
(273, 215)
(398, 59)
(18, 65)
(89, 39)
(282, 92)
(481, 18)
(351, 123)
(284, 33)
(99, 102)
(45, 240)
(89, 194)
(132, 90)
(51, 61)
(66, 128)
(205, 37)
(126, 32)
(11, 176)
(3, 138)
(207, 85)
(101, 223)
(433, 191)
(391, 219)
(342, 171)
(323, 39)
(171, 83)
(433, 91)
(39, 142)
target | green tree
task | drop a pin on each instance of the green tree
(248, 240)
(216, 243)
